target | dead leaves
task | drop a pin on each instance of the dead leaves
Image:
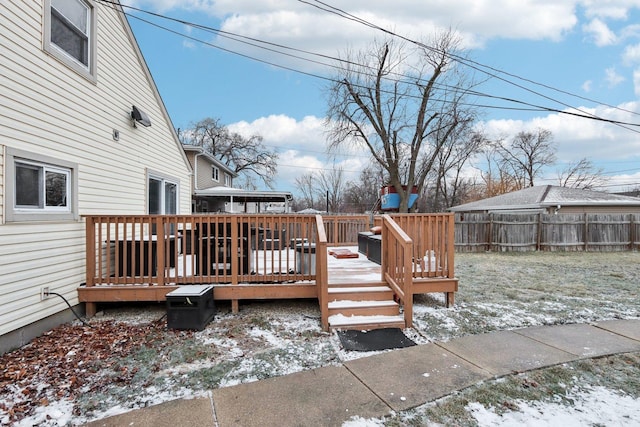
(69, 360)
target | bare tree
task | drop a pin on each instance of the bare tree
(497, 177)
(248, 157)
(306, 186)
(460, 146)
(401, 104)
(582, 174)
(527, 154)
(331, 184)
(323, 190)
(362, 195)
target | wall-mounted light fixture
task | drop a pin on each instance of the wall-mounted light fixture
(139, 116)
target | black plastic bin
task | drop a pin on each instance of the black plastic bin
(363, 242)
(190, 307)
(306, 258)
(214, 241)
(137, 250)
(374, 248)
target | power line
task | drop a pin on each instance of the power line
(528, 106)
(473, 64)
(231, 36)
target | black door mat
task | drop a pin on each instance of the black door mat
(374, 340)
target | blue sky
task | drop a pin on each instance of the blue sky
(587, 48)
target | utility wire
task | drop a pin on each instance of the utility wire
(470, 63)
(529, 106)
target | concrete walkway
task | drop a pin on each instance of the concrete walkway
(372, 387)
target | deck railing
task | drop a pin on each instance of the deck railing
(396, 265)
(433, 238)
(342, 230)
(189, 249)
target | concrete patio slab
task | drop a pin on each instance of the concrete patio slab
(627, 328)
(506, 352)
(581, 340)
(189, 412)
(409, 377)
(321, 397)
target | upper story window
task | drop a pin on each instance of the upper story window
(215, 173)
(70, 33)
(41, 188)
(227, 180)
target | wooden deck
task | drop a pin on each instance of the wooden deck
(248, 257)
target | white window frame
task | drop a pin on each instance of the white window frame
(88, 71)
(15, 213)
(227, 180)
(164, 179)
(215, 173)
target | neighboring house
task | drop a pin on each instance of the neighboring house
(70, 74)
(213, 189)
(553, 199)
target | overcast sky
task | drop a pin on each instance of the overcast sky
(558, 54)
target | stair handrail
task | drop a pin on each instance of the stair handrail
(396, 265)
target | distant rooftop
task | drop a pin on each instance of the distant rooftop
(545, 196)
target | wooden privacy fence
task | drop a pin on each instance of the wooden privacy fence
(479, 232)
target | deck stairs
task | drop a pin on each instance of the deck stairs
(363, 306)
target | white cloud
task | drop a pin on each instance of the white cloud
(612, 9)
(586, 86)
(303, 25)
(631, 54)
(301, 146)
(614, 148)
(612, 77)
(600, 33)
(636, 82)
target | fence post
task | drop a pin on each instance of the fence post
(632, 232)
(586, 233)
(539, 237)
(490, 232)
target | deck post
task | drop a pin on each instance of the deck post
(322, 279)
(90, 309)
(90, 250)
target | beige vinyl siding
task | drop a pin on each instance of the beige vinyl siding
(48, 109)
(53, 257)
(2, 202)
(205, 168)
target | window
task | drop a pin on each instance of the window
(40, 188)
(227, 180)
(163, 196)
(215, 173)
(70, 33)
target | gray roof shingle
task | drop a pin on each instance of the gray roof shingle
(543, 196)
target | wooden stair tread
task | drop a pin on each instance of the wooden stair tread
(350, 304)
(342, 320)
(364, 289)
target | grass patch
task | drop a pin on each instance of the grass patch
(556, 384)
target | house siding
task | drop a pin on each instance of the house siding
(202, 171)
(48, 109)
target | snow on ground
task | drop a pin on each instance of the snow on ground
(596, 406)
(271, 338)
